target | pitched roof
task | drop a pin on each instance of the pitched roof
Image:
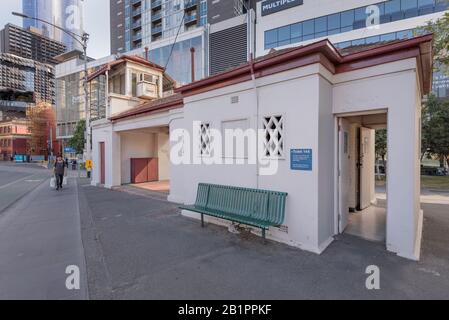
(123, 59)
(171, 102)
(336, 61)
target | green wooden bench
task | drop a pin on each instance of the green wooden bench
(257, 208)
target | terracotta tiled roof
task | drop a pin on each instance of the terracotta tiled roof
(123, 59)
(337, 61)
(171, 102)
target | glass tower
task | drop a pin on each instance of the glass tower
(42, 9)
(67, 14)
(147, 21)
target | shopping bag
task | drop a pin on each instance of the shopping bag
(53, 182)
(64, 181)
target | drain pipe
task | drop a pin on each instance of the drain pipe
(146, 53)
(253, 77)
(192, 62)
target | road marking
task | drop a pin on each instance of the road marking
(16, 181)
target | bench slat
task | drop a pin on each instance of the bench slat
(261, 208)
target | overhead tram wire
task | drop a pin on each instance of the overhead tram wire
(176, 38)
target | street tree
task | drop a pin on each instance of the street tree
(440, 30)
(78, 140)
(381, 146)
(435, 129)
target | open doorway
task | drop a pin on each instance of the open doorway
(146, 159)
(362, 204)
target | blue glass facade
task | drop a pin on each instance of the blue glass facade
(440, 78)
(349, 20)
(42, 9)
(65, 13)
(72, 19)
(177, 68)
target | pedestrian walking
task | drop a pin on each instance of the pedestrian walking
(59, 171)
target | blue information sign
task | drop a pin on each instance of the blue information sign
(69, 150)
(301, 159)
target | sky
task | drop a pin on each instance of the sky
(96, 23)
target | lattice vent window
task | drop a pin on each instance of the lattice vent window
(205, 140)
(273, 127)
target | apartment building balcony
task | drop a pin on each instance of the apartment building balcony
(137, 12)
(156, 17)
(137, 25)
(156, 4)
(190, 4)
(155, 31)
(136, 2)
(137, 37)
(191, 19)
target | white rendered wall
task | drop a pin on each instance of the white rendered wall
(118, 104)
(397, 90)
(178, 181)
(163, 154)
(308, 98)
(310, 224)
(326, 148)
(135, 145)
(112, 143)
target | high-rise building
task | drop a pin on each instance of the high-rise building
(67, 14)
(137, 23)
(70, 103)
(223, 26)
(42, 9)
(346, 23)
(30, 44)
(24, 82)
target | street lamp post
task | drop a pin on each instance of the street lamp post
(82, 40)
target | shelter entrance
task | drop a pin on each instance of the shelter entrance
(145, 159)
(362, 207)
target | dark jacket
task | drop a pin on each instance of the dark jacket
(59, 167)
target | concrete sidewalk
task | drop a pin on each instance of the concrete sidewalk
(40, 237)
(141, 248)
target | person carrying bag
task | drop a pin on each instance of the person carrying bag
(59, 171)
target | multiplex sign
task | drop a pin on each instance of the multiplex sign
(273, 6)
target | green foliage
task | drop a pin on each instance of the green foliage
(381, 144)
(435, 128)
(77, 141)
(440, 30)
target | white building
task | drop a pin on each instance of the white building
(306, 99)
(345, 23)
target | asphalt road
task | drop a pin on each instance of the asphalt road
(39, 235)
(18, 180)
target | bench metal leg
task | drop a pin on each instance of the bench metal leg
(202, 220)
(264, 236)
